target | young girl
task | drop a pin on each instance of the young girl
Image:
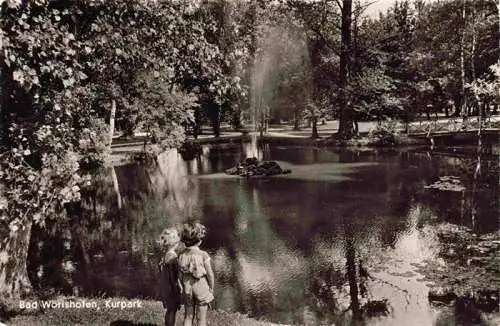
(169, 275)
(196, 275)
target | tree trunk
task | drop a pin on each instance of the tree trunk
(236, 119)
(352, 277)
(473, 43)
(14, 281)
(345, 117)
(197, 123)
(216, 122)
(315, 128)
(216, 128)
(112, 122)
(3, 102)
(498, 7)
(463, 102)
(213, 112)
(355, 66)
(296, 121)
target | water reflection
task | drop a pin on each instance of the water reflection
(344, 230)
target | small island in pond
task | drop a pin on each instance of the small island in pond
(251, 168)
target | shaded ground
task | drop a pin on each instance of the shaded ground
(150, 313)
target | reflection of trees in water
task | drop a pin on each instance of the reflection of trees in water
(254, 226)
(375, 209)
(119, 243)
(108, 246)
(477, 205)
(465, 193)
(248, 253)
(59, 253)
(350, 254)
(342, 296)
(53, 262)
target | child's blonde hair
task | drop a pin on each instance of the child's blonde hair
(169, 237)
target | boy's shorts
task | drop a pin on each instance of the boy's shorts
(196, 291)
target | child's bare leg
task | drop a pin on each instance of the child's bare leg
(201, 314)
(188, 315)
(170, 317)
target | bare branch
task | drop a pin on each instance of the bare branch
(339, 4)
(360, 9)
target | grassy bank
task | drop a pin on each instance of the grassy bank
(116, 312)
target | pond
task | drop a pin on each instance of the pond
(344, 229)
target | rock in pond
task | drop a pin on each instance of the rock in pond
(252, 168)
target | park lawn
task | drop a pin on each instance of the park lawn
(150, 313)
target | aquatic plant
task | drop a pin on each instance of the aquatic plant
(469, 268)
(447, 183)
(376, 308)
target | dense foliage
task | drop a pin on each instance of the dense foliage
(67, 70)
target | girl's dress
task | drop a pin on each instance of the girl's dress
(194, 276)
(169, 287)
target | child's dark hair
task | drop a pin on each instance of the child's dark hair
(192, 233)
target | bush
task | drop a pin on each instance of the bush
(385, 134)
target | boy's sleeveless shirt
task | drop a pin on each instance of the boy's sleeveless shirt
(192, 261)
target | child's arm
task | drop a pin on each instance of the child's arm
(179, 284)
(178, 275)
(161, 263)
(210, 274)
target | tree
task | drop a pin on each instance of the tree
(372, 94)
(165, 111)
(418, 46)
(346, 130)
(218, 82)
(487, 89)
(453, 41)
(65, 68)
(44, 100)
(134, 43)
(331, 60)
(312, 114)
